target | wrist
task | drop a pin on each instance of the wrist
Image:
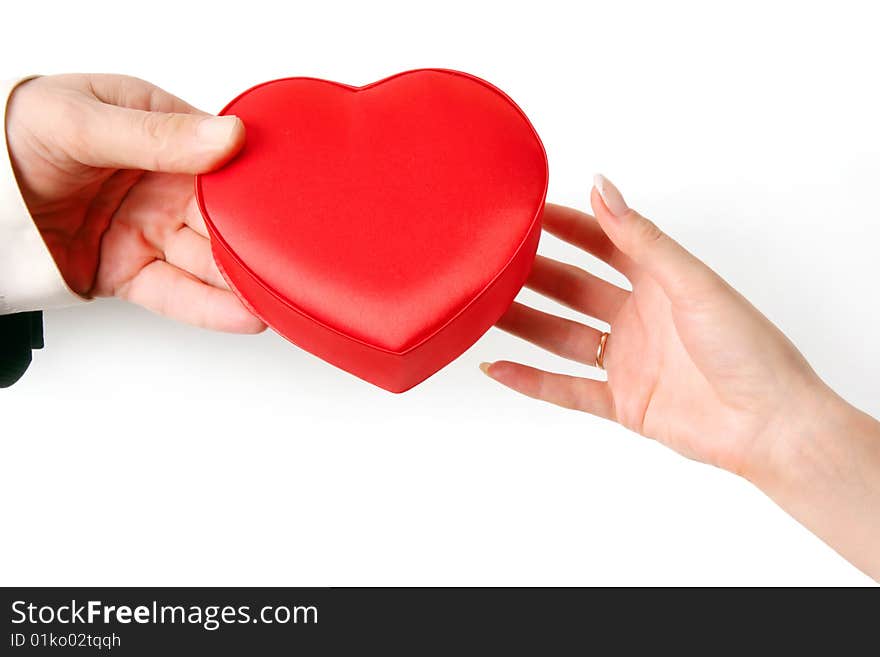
(823, 468)
(803, 441)
(19, 105)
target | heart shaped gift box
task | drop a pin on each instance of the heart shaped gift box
(383, 228)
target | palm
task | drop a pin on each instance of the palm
(155, 252)
(156, 245)
(140, 229)
(657, 388)
(138, 236)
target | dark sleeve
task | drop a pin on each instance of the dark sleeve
(19, 334)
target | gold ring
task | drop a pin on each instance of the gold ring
(600, 352)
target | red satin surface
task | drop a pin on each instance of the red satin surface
(383, 228)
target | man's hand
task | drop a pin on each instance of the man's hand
(105, 164)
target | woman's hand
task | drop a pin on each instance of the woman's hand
(690, 362)
(105, 164)
(694, 365)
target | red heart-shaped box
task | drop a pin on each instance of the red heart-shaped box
(383, 228)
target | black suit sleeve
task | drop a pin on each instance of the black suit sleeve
(19, 334)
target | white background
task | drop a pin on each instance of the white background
(139, 451)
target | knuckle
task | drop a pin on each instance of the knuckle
(570, 284)
(134, 92)
(578, 341)
(570, 287)
(155, 97)
(153, 127)
(162, 131)
(648, 232)
(72, 118)
(156, 127)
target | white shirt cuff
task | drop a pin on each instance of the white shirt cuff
(29, 277)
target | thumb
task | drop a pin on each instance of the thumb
(123, 138)
(677, 270)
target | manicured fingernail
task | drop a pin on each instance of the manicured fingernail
(218, 130)
(485, 367)
(610, 195)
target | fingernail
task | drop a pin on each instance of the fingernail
(485, 367)
(610, 195)
(218, 130)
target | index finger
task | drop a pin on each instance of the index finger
(583, 231)
(134, 93)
